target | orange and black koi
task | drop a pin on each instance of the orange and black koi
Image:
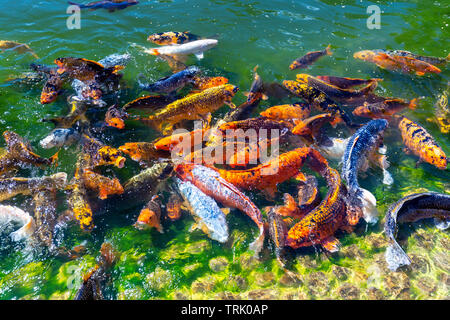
(295, 112)
(171, 37)
(99, 154)
(309, 58)
(52, 88)
(150, 215)
(421, 143)
(115, 117)
(347, 83)
(203, 83)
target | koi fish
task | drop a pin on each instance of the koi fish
(85, 70)
(409, 209)
(154, 102)
(77, 112)
(91, 288)
(255, 124)
(316, 98)
(421, 143)
(111, 5)
(209, 218)
(442, 113)
(78, 202)
(384, 109)
(173, 82)
(364, 141)
(389, 60)
(100, 154)
(60, 137)
(194, 138)
(333, 148)
(52, 88)
(256, 91)
(10, 187)
(320, 225)
(103, 185)
(203, 83)
(45, 213)
(347, 96)
(277, 232)
(430, 60)
(196, 47)
(194, 106)
(13, 214)
(295, 112)
(171, 37)
(347, 83)
(173, 207)
(150, 216)
(143, 152)
(311, 126)
(16, 46)
(212, 184)
(174, 62)
(115, 117)
(309, 58)
(267, 175)
(20, 152)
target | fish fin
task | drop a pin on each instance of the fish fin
(194, 227)
(117, 68)
(301, 177)
(420, 73)
(370, 212)
(225, 211)
(230, 104)
(264, 96)
(331, 244)
(413, 104)
(442, 224)
(54, 158)
(199, 56)
(246, 93)
(328, 50)
(102, 193)
(25, 231)
(396, 257)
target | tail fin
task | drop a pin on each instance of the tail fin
(413, 104)
(25, 231)
(396, 257)
(328, 50)
(257, 245)
(117, 68)
(54, 159)
(154, 52)
(369, 206)
(59, 180)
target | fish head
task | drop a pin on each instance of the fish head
(116, 123)
(436, 156)
(147, 219)
(61, 63)
(366, 55)
(230, 90)
(48, 96)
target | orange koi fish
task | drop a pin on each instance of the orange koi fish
(267, 175)
(311, 126)
(115, 117)
(150, 215)
(387, 59)
(103, 185)
(295, 112)
(203, 83)
(421, 143)
(143, 152)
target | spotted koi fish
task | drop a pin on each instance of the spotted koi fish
(421, 143)
(52, 88)
(385, 109)
(409, 209)
(19, 152)
(100, 154)
(212, 184)
(365, 140)
(193, 107)
(143, 152)
(203, 83)
(171, 37)
(316, 98)
(319, 226)
(267, 175)
(116, 117)
(309, 58)
(396, 62)
(210, 219)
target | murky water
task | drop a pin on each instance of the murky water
(179, 264)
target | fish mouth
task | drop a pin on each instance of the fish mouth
(120, 162)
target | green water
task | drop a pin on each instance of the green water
(177, 264)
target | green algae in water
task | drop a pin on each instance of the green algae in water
(183, 265)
